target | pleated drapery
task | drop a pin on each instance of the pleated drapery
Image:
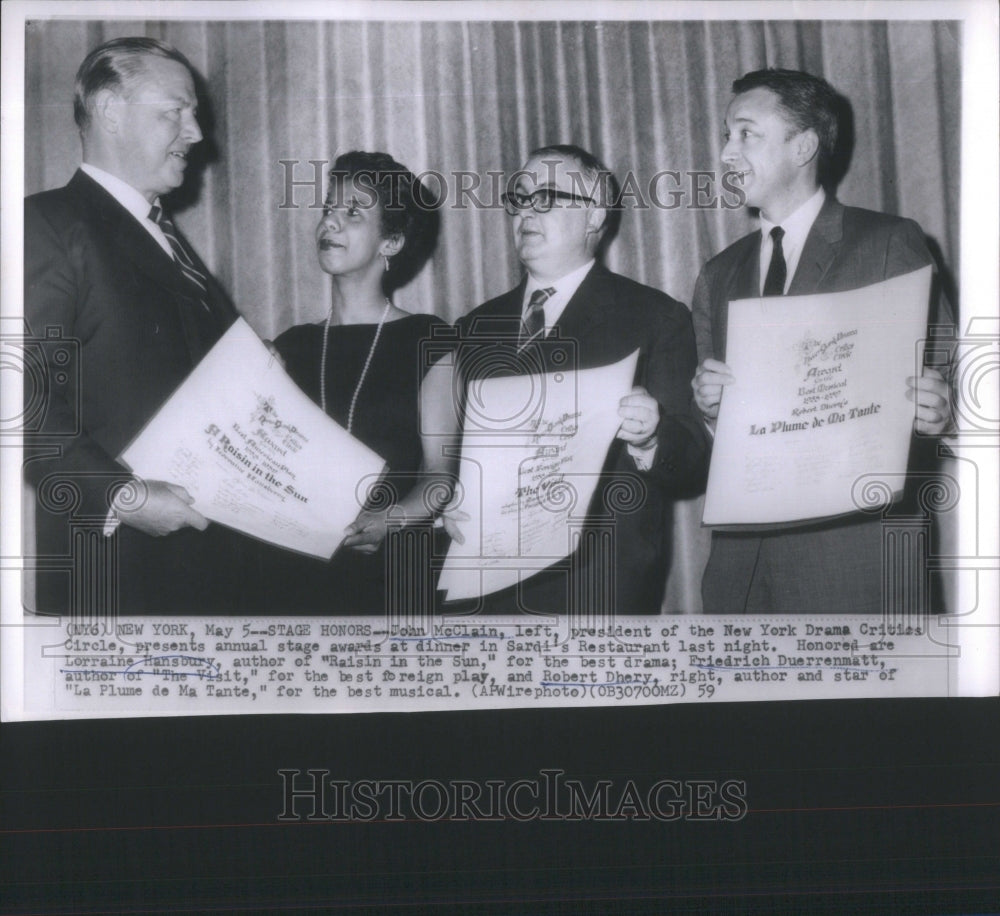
(462, 99)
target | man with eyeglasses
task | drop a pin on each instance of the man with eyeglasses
(560, 207)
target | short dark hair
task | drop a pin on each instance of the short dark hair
(808, 101)
(406, 207)
(114, 65)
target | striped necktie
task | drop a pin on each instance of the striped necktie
(533, 322)
(181, 255)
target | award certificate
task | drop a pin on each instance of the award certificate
(255, 452)
(525, 488)
(817, 422)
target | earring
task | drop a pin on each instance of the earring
(385, 258)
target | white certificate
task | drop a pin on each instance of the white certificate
(819, 403)
(255, 452)
(527, 482)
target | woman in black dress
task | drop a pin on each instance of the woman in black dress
(366, 366)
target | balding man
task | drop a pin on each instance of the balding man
(559, 207)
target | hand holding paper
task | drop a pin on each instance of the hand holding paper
(526, 488)
(156, 508)
(819, 405)
(253, 452)
(451, 519)
(932, 397)
(712, 376)
(366, 532)
(640, 416)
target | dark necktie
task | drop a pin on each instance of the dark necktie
(774, 284)
(533, 322)
(181, 255)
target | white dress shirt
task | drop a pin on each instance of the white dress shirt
(796, 226)
(555, 305)
(132, 201)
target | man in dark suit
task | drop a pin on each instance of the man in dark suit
(571, 313)
(781, 134)
(107, 274)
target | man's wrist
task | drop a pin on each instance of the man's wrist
(117, 503)
(643, 455)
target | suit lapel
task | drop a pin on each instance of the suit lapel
(510, 305)
(584, 318)
(134, 244)
(129, 239)
(503, 322)
(585, 312)
(820, 249)
(818, 254)
(589, 307)
(744, 283)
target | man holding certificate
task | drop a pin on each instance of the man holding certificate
(781, 137)
(122, 309)
(570, 316)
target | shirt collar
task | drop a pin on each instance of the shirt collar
(798, 223)
(131, 199)
(564, 287)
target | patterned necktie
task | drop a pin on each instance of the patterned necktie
(774, 284)
(181, 255)
(533, 322)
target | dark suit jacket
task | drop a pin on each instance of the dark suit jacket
(120, 330)
(607, 318)
(832, 566)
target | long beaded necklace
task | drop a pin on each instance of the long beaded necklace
(364, 371)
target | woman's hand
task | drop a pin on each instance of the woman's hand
(366, 532)
(450, 517)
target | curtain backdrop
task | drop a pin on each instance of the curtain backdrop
(475, 97)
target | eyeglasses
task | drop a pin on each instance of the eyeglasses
(541, 200)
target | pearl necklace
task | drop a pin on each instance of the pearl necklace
(364, 371)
